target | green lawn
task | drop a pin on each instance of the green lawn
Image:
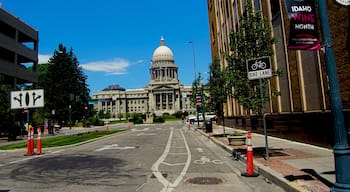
(63, 140)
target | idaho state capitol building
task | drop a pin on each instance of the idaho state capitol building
(163, 94)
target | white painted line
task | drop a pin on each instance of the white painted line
(178, 153)
(187, 165)
(59, 151)
(173, 164)
(137, 189)
(24, 159)
(168, 187)
(155, 166)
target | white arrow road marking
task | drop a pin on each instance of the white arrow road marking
(114, 146)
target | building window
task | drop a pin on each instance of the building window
(257, 4)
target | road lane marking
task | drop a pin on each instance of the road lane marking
(178, 153)
(137, 189)
(172, 164)
(168, 187)
(155, 166)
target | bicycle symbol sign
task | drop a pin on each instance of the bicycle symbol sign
(205, 160)
(259, 68)
(258, 65)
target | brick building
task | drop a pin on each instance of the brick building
(302, 112)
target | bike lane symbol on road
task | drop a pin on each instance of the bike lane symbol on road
(203, 160)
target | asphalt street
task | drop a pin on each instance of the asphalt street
(159, 157)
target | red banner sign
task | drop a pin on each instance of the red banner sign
(303, 25)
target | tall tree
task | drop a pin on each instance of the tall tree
(251, 39)
(217, 87)
(65, 85)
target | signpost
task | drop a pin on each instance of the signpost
(259, 68)
(27, 99)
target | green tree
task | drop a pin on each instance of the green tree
(5, 111)
(252, 39)
(64, 84)
(217, 87)
(120, 116)
(7, 115)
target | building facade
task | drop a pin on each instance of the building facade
(18, 50)
(163, 94)
(304, 104)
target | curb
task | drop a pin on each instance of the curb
(264, 171)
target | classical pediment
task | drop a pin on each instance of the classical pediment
(164, 87)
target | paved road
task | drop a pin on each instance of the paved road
(150, 158)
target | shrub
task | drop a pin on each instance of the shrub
(94, 121)
(178, 114)
(158, 119)
(138, 120)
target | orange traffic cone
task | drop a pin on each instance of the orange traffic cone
(250, 166)
(107, 127)
(32, 140)
(38, 142)
(29, 144)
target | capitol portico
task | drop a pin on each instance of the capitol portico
(163, 94)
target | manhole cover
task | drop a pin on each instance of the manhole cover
(204, 180)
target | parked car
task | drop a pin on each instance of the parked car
(208, 116)
(57, 127)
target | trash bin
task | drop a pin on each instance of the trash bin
(208, 126)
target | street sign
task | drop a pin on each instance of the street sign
(259, 68)
(27, 99)
(198, 99)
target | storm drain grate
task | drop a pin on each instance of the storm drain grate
(204, 180)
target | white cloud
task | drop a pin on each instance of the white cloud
(115, 66)
(43, 58)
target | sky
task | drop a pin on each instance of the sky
(114, 40)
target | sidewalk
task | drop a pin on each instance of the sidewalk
(293, 166)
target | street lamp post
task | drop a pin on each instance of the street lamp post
(194, 59)
(195, 77)
(341, 147)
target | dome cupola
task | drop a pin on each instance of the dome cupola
(163, 53)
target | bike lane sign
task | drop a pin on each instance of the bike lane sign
(259, 68)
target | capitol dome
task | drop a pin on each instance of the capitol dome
(163, 53)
